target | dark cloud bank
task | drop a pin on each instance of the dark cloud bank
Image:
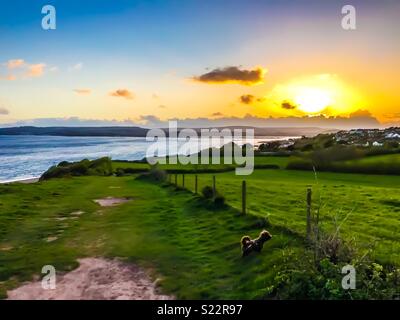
(359, 119)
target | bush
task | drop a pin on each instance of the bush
(207, 192)
(302, 279)
(158, 174)
(307, 147)
(120, 172)
(337, 153)
(64, 164)
(99, 167)
(318, 275)
(266, 166)
(124, 171)
(154, 174)
(219, 200)
(300, 164)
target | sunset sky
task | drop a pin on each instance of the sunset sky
(142, 60)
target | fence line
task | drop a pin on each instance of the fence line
(244, 201)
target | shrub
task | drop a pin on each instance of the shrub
(337, 153)
(119, 172)
(219, 200)
(261, 222)
(300, 164)
(64, 164)
(154, 174)
(158, 174)
(124, 171)
(302, 279)
(376, 151)
(99, 167)
(307, 147)
(207, 192)
(266, 166)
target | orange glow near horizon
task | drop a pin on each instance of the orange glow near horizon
(323, 93)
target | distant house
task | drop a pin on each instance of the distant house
(392, 135)
(377, 144)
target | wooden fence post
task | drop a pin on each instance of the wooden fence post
(244, 197)
(195, 184)
(183, 180)
(309, 194)
(214, 188)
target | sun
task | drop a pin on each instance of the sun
(312, 100)
(316, 94)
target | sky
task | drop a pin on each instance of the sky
(144, 62)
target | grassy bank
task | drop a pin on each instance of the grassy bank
(186, 240)
(194, 246)
(368, 205)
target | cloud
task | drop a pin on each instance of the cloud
(71, 122)
(4, 111)
(82, 91)
(232, 75)
(395, 115)
(152, 121)
(250, 99)
(155, 96)
(288, 105)
(15, 63)
(360, 113)
(217, 114)
(76, 67)
(321, 121)
(247, 99)
(123, 93)
(27, 70)
(161, 106)
(35, 70)
(9, 77)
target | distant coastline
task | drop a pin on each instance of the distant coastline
(141, 132)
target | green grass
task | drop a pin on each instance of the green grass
(376, 160)
(259, 160)
(369, 203)
(191, 244)
(183, 238)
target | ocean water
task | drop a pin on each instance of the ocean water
(25, 157)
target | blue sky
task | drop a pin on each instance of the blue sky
(152, 48)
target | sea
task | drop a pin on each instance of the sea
(27, 157)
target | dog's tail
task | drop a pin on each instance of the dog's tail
(245, 240)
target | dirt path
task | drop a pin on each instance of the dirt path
(111, 202)
(95, 279)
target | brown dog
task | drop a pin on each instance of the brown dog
(249, 245)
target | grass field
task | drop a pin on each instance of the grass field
(259, 161)
(376, 160)
(181, 237)
(368, 206)
(194, 246)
